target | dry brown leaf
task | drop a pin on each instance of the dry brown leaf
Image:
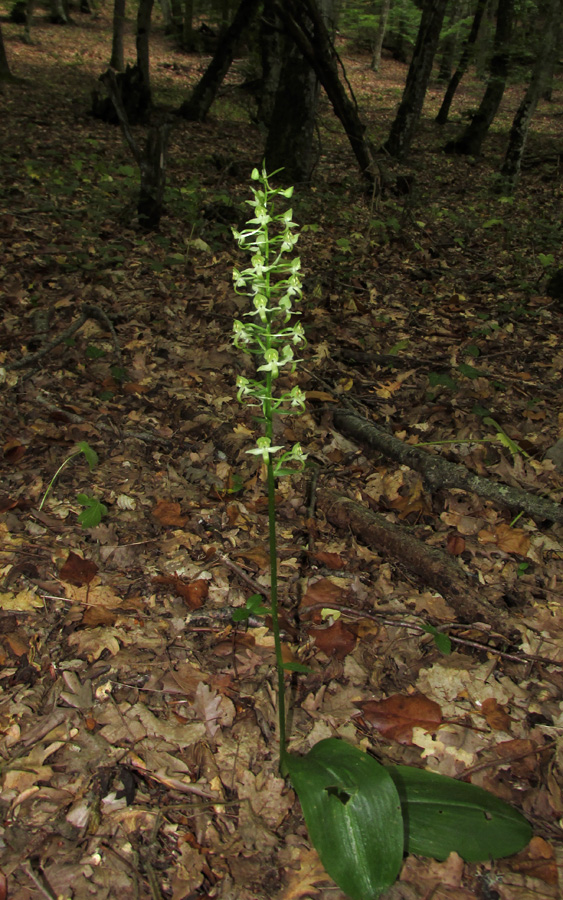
(330, 560)
(336, 641)
(168, 513)
(537, 861)
(77, 571)
(496, 716)
(302, 881)
(396, 716)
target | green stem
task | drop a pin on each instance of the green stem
(274, 606)
(56, 475)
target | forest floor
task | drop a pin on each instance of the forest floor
(139, 752)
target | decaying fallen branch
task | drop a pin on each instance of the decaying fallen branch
(435, 568)
(87, 311)
(440, 474)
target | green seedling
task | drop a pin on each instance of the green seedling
(94, 510)
(361, 815)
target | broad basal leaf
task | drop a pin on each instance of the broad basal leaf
(442, 815)
(353, 814)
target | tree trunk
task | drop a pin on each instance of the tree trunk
(151, 161)
(117, 60)
(271, 48)
(59, 14)
(196, 108)
(449, 44)
(290, 139)
(471, 140)
(319, 50)
(380, 34)
(143, 34)
(410, 109)
(5, 74)
(463, 65)
(188, 26)
(519, 132)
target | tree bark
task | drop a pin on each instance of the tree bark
(143, 35)
(510, 171)
(435, 568)
(290, 138)
(439, 473)
(471, 140)
(151, 162)
(463, 65)
(271, 49)
(318, 49)
(117, 60)
(196, 108)
(449, 44)
(380, 34)
(5, 73)
(188, 25)
(410, 109)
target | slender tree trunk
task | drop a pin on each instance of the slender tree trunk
(290, 137)
(463, 65)
(5, 73)
(188, 25)
(117, 60)
(151, 161)
(449, 44)
(510, 171)
(196, 108)
(28, 22)
(380, 34)
(271, 47)
(143, 35)
(410, 109)
(319, 50)
(471, 140)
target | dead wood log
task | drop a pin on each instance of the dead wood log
(437, 570)
(439, 473)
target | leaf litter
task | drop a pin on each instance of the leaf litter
(138, 721)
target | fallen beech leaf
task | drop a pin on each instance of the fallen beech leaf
(396, 716)
(17, 644)
(258, 555)
(168, 513)
(337, 640)
(193, 593)
(522, 754)
(98, 615)
(511, 540)
(455, 544)
(496, 716)
(323, 591)
(13, 451)
(77, 571)
(330, 560)
(537, 861)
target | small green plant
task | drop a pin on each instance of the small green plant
(361, 815)
(93, 509)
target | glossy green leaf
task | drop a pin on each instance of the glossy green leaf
(353, 814)
(442, 815)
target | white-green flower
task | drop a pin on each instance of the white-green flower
(264, 449)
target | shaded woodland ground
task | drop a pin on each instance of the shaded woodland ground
(139, 754)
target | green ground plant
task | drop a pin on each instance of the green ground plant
(361, 816)
(94, 509)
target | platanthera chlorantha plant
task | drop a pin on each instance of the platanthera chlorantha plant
(362, 816)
